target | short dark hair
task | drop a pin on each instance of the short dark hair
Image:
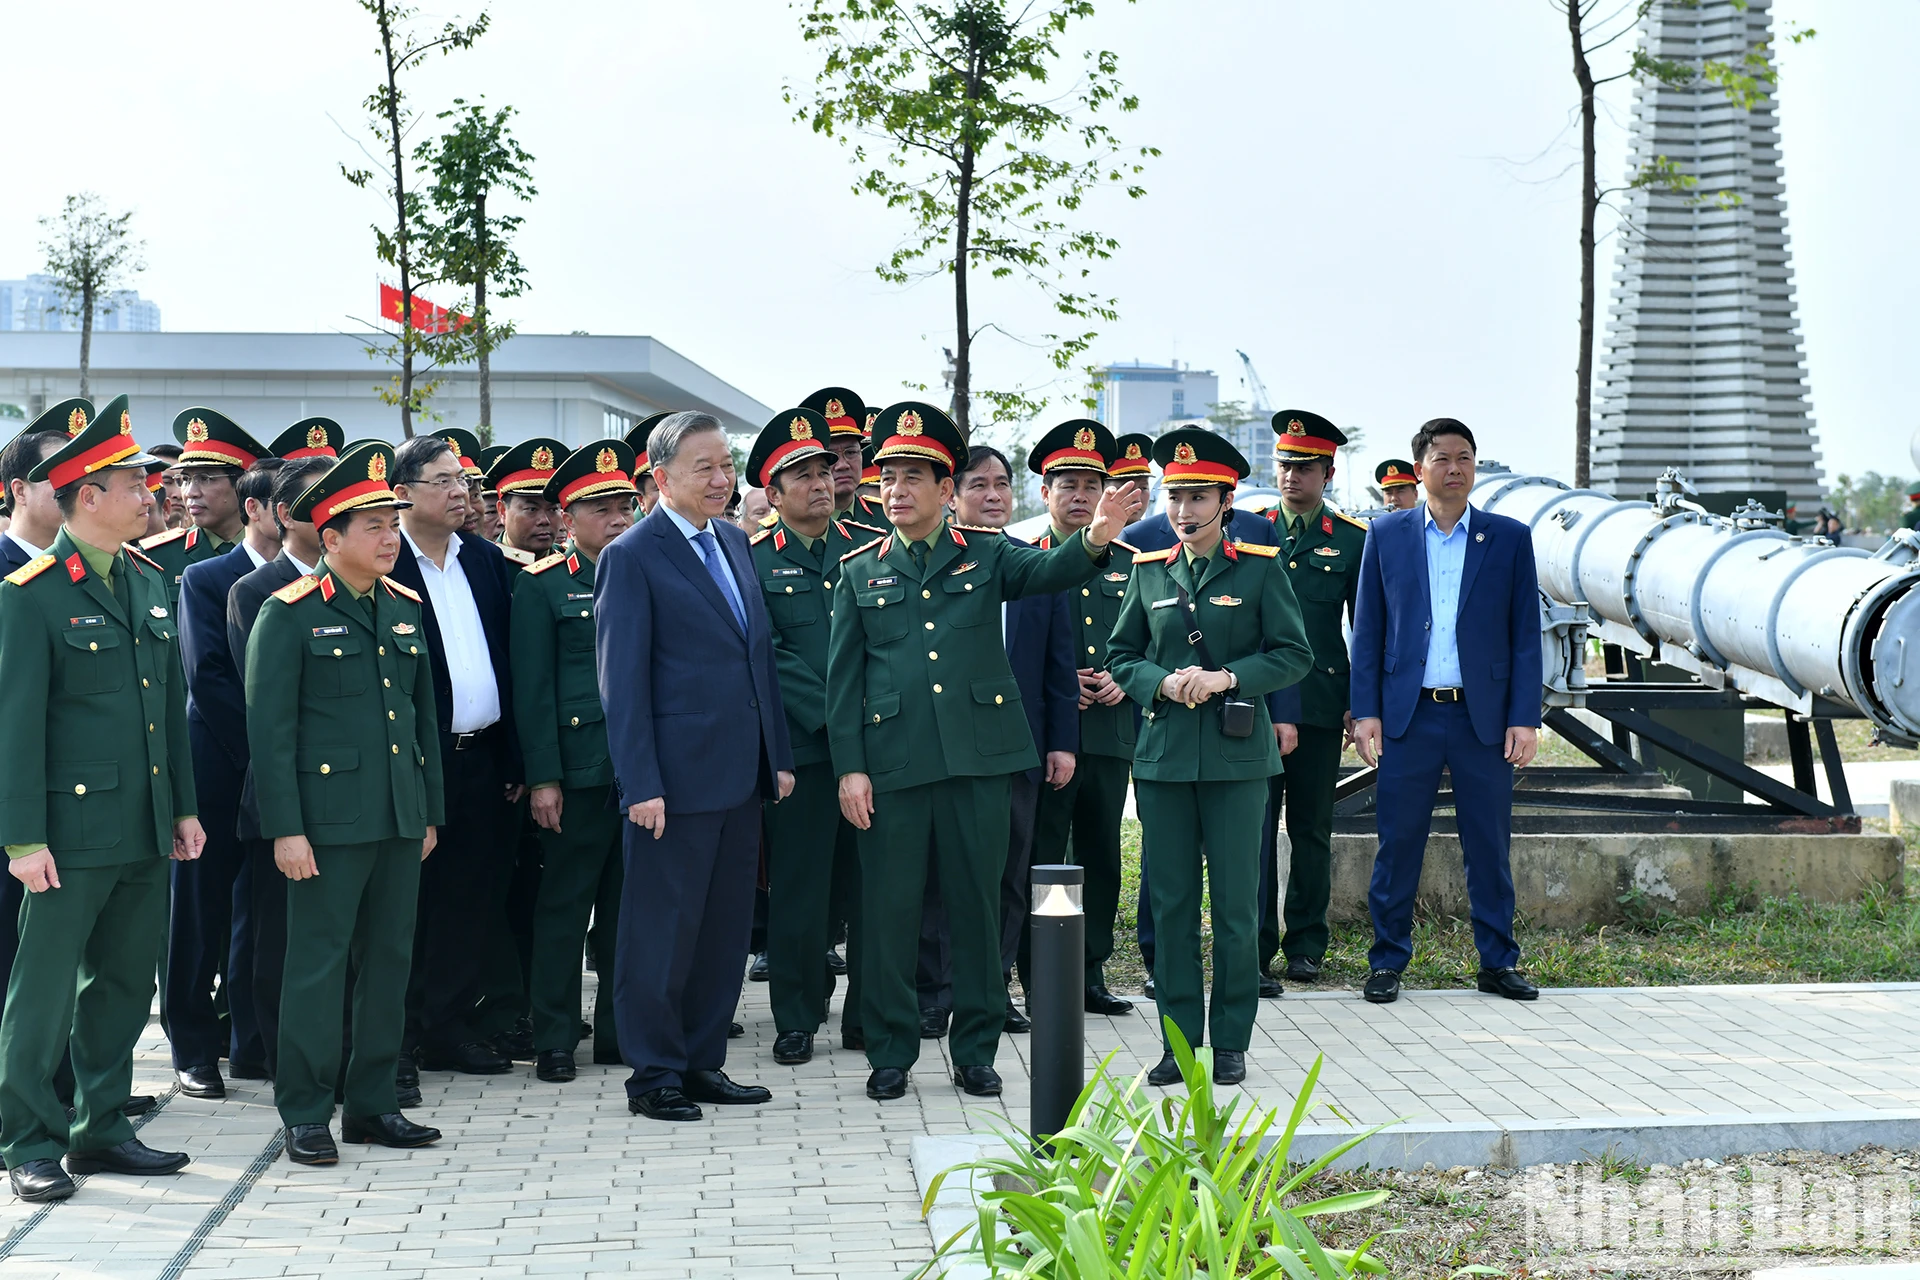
(171, 452)
(1423, 438)
(978, 456)
(22, 456)
(411, 458)
(256, 483)
(68, 496)
(293, 479)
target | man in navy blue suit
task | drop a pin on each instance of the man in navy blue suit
(211, 929)
(1446, 675)
(698, 736)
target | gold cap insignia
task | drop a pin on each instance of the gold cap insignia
(1183, 453)
(316, 437)
(126, 423)
(196, 432)
(606, 460)
(871, 415)
(455, 446)
(834, 410)
(800, 429)
(1392, 470)
(543, 459)
(377, 467)
(76, 422)
(1295, 427)
(1133, 452)
(1083, 438)
(910, 424)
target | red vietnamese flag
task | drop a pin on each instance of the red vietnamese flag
(426, 317)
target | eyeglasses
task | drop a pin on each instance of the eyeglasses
(442, 482)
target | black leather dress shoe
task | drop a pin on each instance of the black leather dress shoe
(836, 963)
(389, 1130)
(665, 1103)
(1383, 986)
(472, 1058)
(933, 1023)
(406, 1072)
(1102, 1001)
(38, 1181)
(791, 1048)
(759, 970)
(735, 1031)
(1017, 1023)
(1165, 1072)
(586, 1029)
(1302, 969)
(132, 1156)
(854, 1038)
(249, 1071)
(1508, 983)
(1146, 988)
(516, 1045)
(407, 1097)
(981, 1082)
(201, 1082)
(1229, 1066)
(1270, 988)
(714, 1087)
(311, 1144)
(887, 1083)
(555, 1066)
(138, 1105)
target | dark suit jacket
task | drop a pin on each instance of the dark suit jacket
(1040, 649)
(243, 606)
(1498, 632)
(216, 687)
(12, 555)
(486, 572)
(693, 705)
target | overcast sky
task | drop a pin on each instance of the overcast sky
(1365, 198)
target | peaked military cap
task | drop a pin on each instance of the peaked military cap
(592, 471)
(69, 418)
(1193, 457)
(485, 459)
(869, 469)
(309, 438)
(358, 482)
(466, 448)
(1394, 472)
(911, 429)
(844, 411)
(209, 438)
(791, 436)
(1300, 436)
(526, 467)
(104, 444)
(637, 440)
(1133, 456)
(1078, 445)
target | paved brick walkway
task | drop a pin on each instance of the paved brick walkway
(537, 1179)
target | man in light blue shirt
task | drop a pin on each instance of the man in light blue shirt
(1446, 561)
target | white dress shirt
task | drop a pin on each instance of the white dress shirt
(33, 552)
(259, 561)
(306, 570)
(463, 641)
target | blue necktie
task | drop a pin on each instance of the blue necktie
(710, 552)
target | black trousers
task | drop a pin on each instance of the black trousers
(267, 902)
(686, 907)
(462, 894)
(210, 935)
(934, 976)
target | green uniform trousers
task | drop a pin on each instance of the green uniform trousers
(87, 957)
(961, 825)
(1091, 805)
(360, 908)
(1185, 822)
(580, 875)
(1313, 769)
(813, 871)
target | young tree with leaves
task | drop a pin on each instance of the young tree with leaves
(989, 162)
(401, 51)
(467, 244)
(89, 253)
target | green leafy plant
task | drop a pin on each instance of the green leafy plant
(1136, 1187)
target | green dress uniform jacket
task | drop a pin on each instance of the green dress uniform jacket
(563, 739)
(98, 771)
(175, 549)
(1323, 566)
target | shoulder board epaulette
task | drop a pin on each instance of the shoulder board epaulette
(541, 566)
(1153, 557)
(402, 589)
(1127, 547)
(1256, 549)
(868, 547)
(516, 555)
(30, 570)
(770, 519)
(865, 528)
(137, 554)
(162, 539)
(760, 537)
(1341, 515)
(978, 528)
(299, 589)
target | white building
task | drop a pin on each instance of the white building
(35, 304)
(1132, 396)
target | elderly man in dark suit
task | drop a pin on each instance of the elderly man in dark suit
(698, 736)
(1446, 676)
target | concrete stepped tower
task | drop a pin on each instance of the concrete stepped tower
(1702, 366)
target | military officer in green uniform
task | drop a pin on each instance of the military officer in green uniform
(1321, 548)
(1206, 629)
(643, 465)
(563, 738)
(925, 724)
(848, 417)
(1398, 486)
(346, 767)
(1072, 461)
(812, 853)
(96, 795)
(527, 518)
(214, 450)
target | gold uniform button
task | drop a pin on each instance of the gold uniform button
(1085, 592)
(396, 748)
(586, 613)
(926, 595)
(385, 683)
(936, 688)
(929, 626)
(881, 603)
(79, 788)
(1089, 648)
(413, 648)
(876, 719)
(932, 656)
(969, 586)
(94, 648)
(576, 720)
(156, 771)
(326, 768)
(997, 699)
(829, 586)
(789, 592)
(336, 653)
(143, 682)
(383, 651)
(1089, 621)
(389, 715)
(1292, 565)
(149, 728)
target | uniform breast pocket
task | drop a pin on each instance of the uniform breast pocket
(791, 598)
(92, 661)
(409, 655)
(335, 668)
(1113, 585)
(576, 626)
(999, 719)
(882, 611)
(80, 805)
(968, 602)
(1322, 581)
(329, 783)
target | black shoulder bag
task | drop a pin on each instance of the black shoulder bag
(1236, 714)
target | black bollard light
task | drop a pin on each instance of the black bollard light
(1057, 1001)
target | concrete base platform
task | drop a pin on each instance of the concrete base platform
(1566, 881)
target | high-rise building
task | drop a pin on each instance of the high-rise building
(36, 304)
(1133, 396)
(1703, 367)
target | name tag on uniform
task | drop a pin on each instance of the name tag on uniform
(789, 573)
(1168, 603)
(95, 621)
(329, 631)
(1228, 601)
(585, 595)
(403, 628)
(883, 582)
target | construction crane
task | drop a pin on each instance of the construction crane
(1255, 388)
